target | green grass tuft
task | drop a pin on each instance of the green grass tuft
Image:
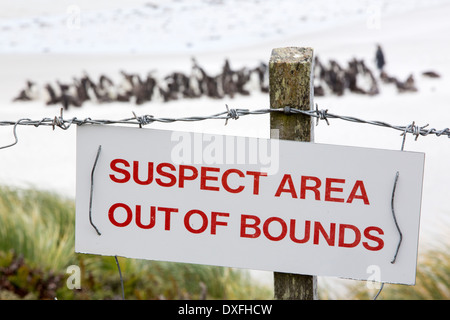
(37, 246)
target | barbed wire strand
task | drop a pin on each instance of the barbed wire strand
(379, 291)
(235, 114)
(395, 219)
(90, 216)
(121, 279)
(92, 189)
(393, 212)
(396, 225)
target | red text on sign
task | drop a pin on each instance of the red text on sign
(168, 175)
(311, 188)
(340, 235)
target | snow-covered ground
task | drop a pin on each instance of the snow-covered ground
(59, 40)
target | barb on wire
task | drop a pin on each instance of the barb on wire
(231, 113)
(144, 120)
(415, 130)
(321, 115)
(65, 124)
(404, 136)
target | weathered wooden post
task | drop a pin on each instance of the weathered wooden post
(291, 84)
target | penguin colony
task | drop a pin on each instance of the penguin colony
(328, 79)
(136, 89)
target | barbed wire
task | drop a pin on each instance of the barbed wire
(322, 114)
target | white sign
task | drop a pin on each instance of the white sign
(249, 203)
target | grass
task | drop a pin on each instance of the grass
(37, 246)
(38, 225)
(432, 276)
(432, 279)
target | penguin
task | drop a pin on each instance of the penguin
(407, 86)
(319, 91)
(431, 74)
(81, 92)
(335, 78)
(67, 98)
(91, 89)
(243, 77)
(105, 82)
(369, 79)
(200, 76)
(27, 94)
(127, 82)
(32, 90)
(351, 77)
(164, 93)
(379, 58)
(263, 76)
(139, 89)
(150, 85)
(319, 72)
(52, 97)
(174, 84)
(106, 89)
(228, 85)
(385, 78)
(22, 96)
(62, 86)
(194, 83)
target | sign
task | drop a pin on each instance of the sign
(251, 203)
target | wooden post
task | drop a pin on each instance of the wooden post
(291, 84)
